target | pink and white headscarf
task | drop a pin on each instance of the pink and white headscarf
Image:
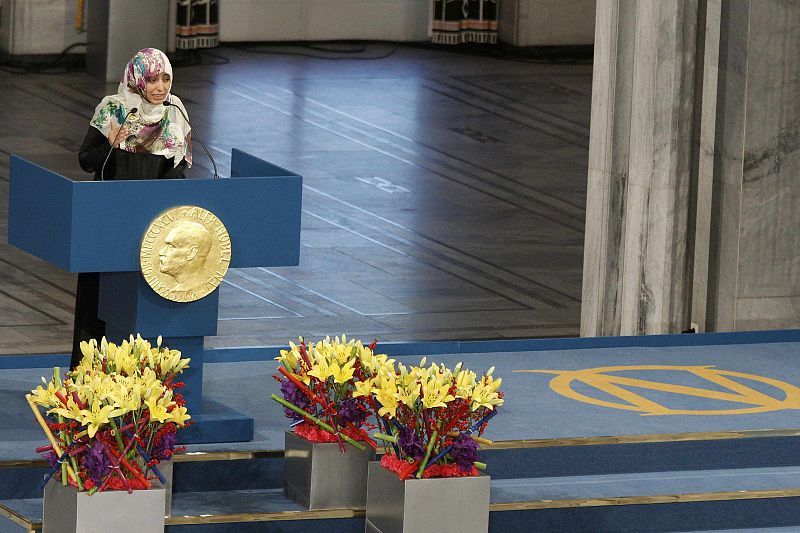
(154, 128)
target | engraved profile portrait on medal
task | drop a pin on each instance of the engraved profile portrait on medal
(183, 256)
(185, 253)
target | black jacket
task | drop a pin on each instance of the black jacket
(122, 164)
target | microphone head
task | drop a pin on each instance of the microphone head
(134, 110)
(166, 104)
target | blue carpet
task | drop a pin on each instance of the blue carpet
(562, 390)
(533, 409)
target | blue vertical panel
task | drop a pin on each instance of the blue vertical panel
(128, 303)
(246, 165)
(191, 347)
(97, 226)
(40, 212)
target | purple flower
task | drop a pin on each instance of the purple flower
(162, 450)
(293, 395)
(464, 452)
(410, 444)
(96, 462)
(52, 458)
(350, 411)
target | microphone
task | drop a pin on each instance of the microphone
(167, 104)
(103, 168)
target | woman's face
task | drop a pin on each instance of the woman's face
(157, 88)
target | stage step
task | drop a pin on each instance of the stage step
(694, 482)
(664, 501)
(241, 470)
(650, 487)
(642, 453)
(758, 529)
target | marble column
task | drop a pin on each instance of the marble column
(703, 157)
(727, 151)
(693, 200)
(758, 255)
(636, 258)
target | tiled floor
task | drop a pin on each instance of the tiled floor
(443, 193)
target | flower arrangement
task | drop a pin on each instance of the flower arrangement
(113, 418)
(325, 389)
(434, 417)
(431, 417)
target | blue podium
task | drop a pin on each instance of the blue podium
(98, 226)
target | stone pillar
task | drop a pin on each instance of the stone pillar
(693, 199)
(116, 31)
(754, 275)
(637, 220)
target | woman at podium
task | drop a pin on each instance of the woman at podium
(141, 132)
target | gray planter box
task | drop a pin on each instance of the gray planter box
(443, 505)
(165, 467)
(68, 511)
(319, 476)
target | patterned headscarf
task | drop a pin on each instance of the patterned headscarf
(154, 128)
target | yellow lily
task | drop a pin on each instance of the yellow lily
(485, 393)
(127, 395)
(97, 417)
(363, 388)
(465, 382)
(179, 416)
(385, 395)
(88, 349)
(158, 411)
(171, 362)
(408, 395)
(344, 373)
(46, 397)
(483, 397)
(321, 370)
(435, 393)
(71, 411)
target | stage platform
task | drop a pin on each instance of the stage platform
(666, 433)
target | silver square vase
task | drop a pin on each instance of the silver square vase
(318, 475)
(166, 469)
(444, 505)
(66, 510)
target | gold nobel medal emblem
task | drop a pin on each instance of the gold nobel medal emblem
(185, 253)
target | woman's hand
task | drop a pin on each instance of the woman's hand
(116, 135)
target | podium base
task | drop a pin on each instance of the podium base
(217, 423)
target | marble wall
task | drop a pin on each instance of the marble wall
(768, 269)
(546, 22)
(30, 27)
(314, 20)
(693, 201)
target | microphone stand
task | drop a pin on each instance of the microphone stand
(205, 148)
(108, 155)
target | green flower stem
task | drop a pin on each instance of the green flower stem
(76, 470)
(480, 466)
(117, 436)
(317, 421)
(384, 436)
(65, 438)
(64, 474)
(428, 450)
(67, 443)
(64, 463)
